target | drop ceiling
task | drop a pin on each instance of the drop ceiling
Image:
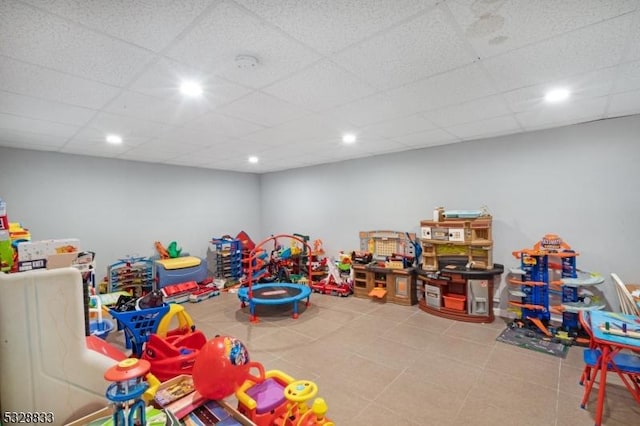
(400, 74)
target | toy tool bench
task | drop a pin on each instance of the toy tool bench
(388, 274)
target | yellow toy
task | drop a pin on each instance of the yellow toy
(185, 323)
(283, 401)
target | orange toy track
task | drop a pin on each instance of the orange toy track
(528, 306)
(529, 283)
(540, 325)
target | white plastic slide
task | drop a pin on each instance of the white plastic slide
(45, 365)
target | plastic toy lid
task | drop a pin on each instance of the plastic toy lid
(127, 369)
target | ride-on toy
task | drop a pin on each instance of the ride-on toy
(269, 398)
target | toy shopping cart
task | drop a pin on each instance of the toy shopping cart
(138, 325)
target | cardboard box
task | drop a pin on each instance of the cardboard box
(48, 254)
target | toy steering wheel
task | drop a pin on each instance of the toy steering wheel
(300, 391)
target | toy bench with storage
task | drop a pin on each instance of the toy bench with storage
(179, 270)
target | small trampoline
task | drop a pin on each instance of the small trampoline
(273, 293)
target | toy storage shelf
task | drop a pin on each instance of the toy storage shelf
(458, 293)
(135, 274)
(225, 258)
(317, 274)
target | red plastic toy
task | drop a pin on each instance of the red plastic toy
(222, 366)
(174, 355)
(270, 398)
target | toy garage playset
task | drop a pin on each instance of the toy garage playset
(549, 268)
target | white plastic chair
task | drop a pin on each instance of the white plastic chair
(627, 303)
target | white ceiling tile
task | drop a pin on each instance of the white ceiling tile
(422, 47)
(152, 24)
(95, 150)
(304, 130)
(478, 109)
(633, 54)
(22, 124)
(39, 109)
(142, 153)
(497, 26)
(94, 139)
(37, 37)
(624, 104)
(26, 145)
(485, 128)
(218, 124)
(348, 152)
(201, 156)
(186, 161)
(68, 77)
(568, 112)
(191, 137)
(162, 79)
(137, 105)
(428, 138)
(227, 31)
(379, 145)
(27, 139)
(583, 86)
(398, 127)
(584, 50)
(628, 77)
(330, 25)
(297, 149)
(105, 123)
(31, 80)
(262, 109)
(450, 88)
(319, 87)
(369, 110)
(173, 146)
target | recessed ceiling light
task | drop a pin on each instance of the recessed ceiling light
(190, 88)
(114, 139)
(348, 138)
(556, 95)
(253, 159)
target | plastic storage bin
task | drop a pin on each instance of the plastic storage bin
(455, 301)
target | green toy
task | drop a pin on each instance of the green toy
(173, 250)
(6, 252)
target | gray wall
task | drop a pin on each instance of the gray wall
(118, 207)
(580, 182)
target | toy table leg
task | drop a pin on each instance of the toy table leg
(603, 384)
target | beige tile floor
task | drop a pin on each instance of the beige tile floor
(385, 364)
